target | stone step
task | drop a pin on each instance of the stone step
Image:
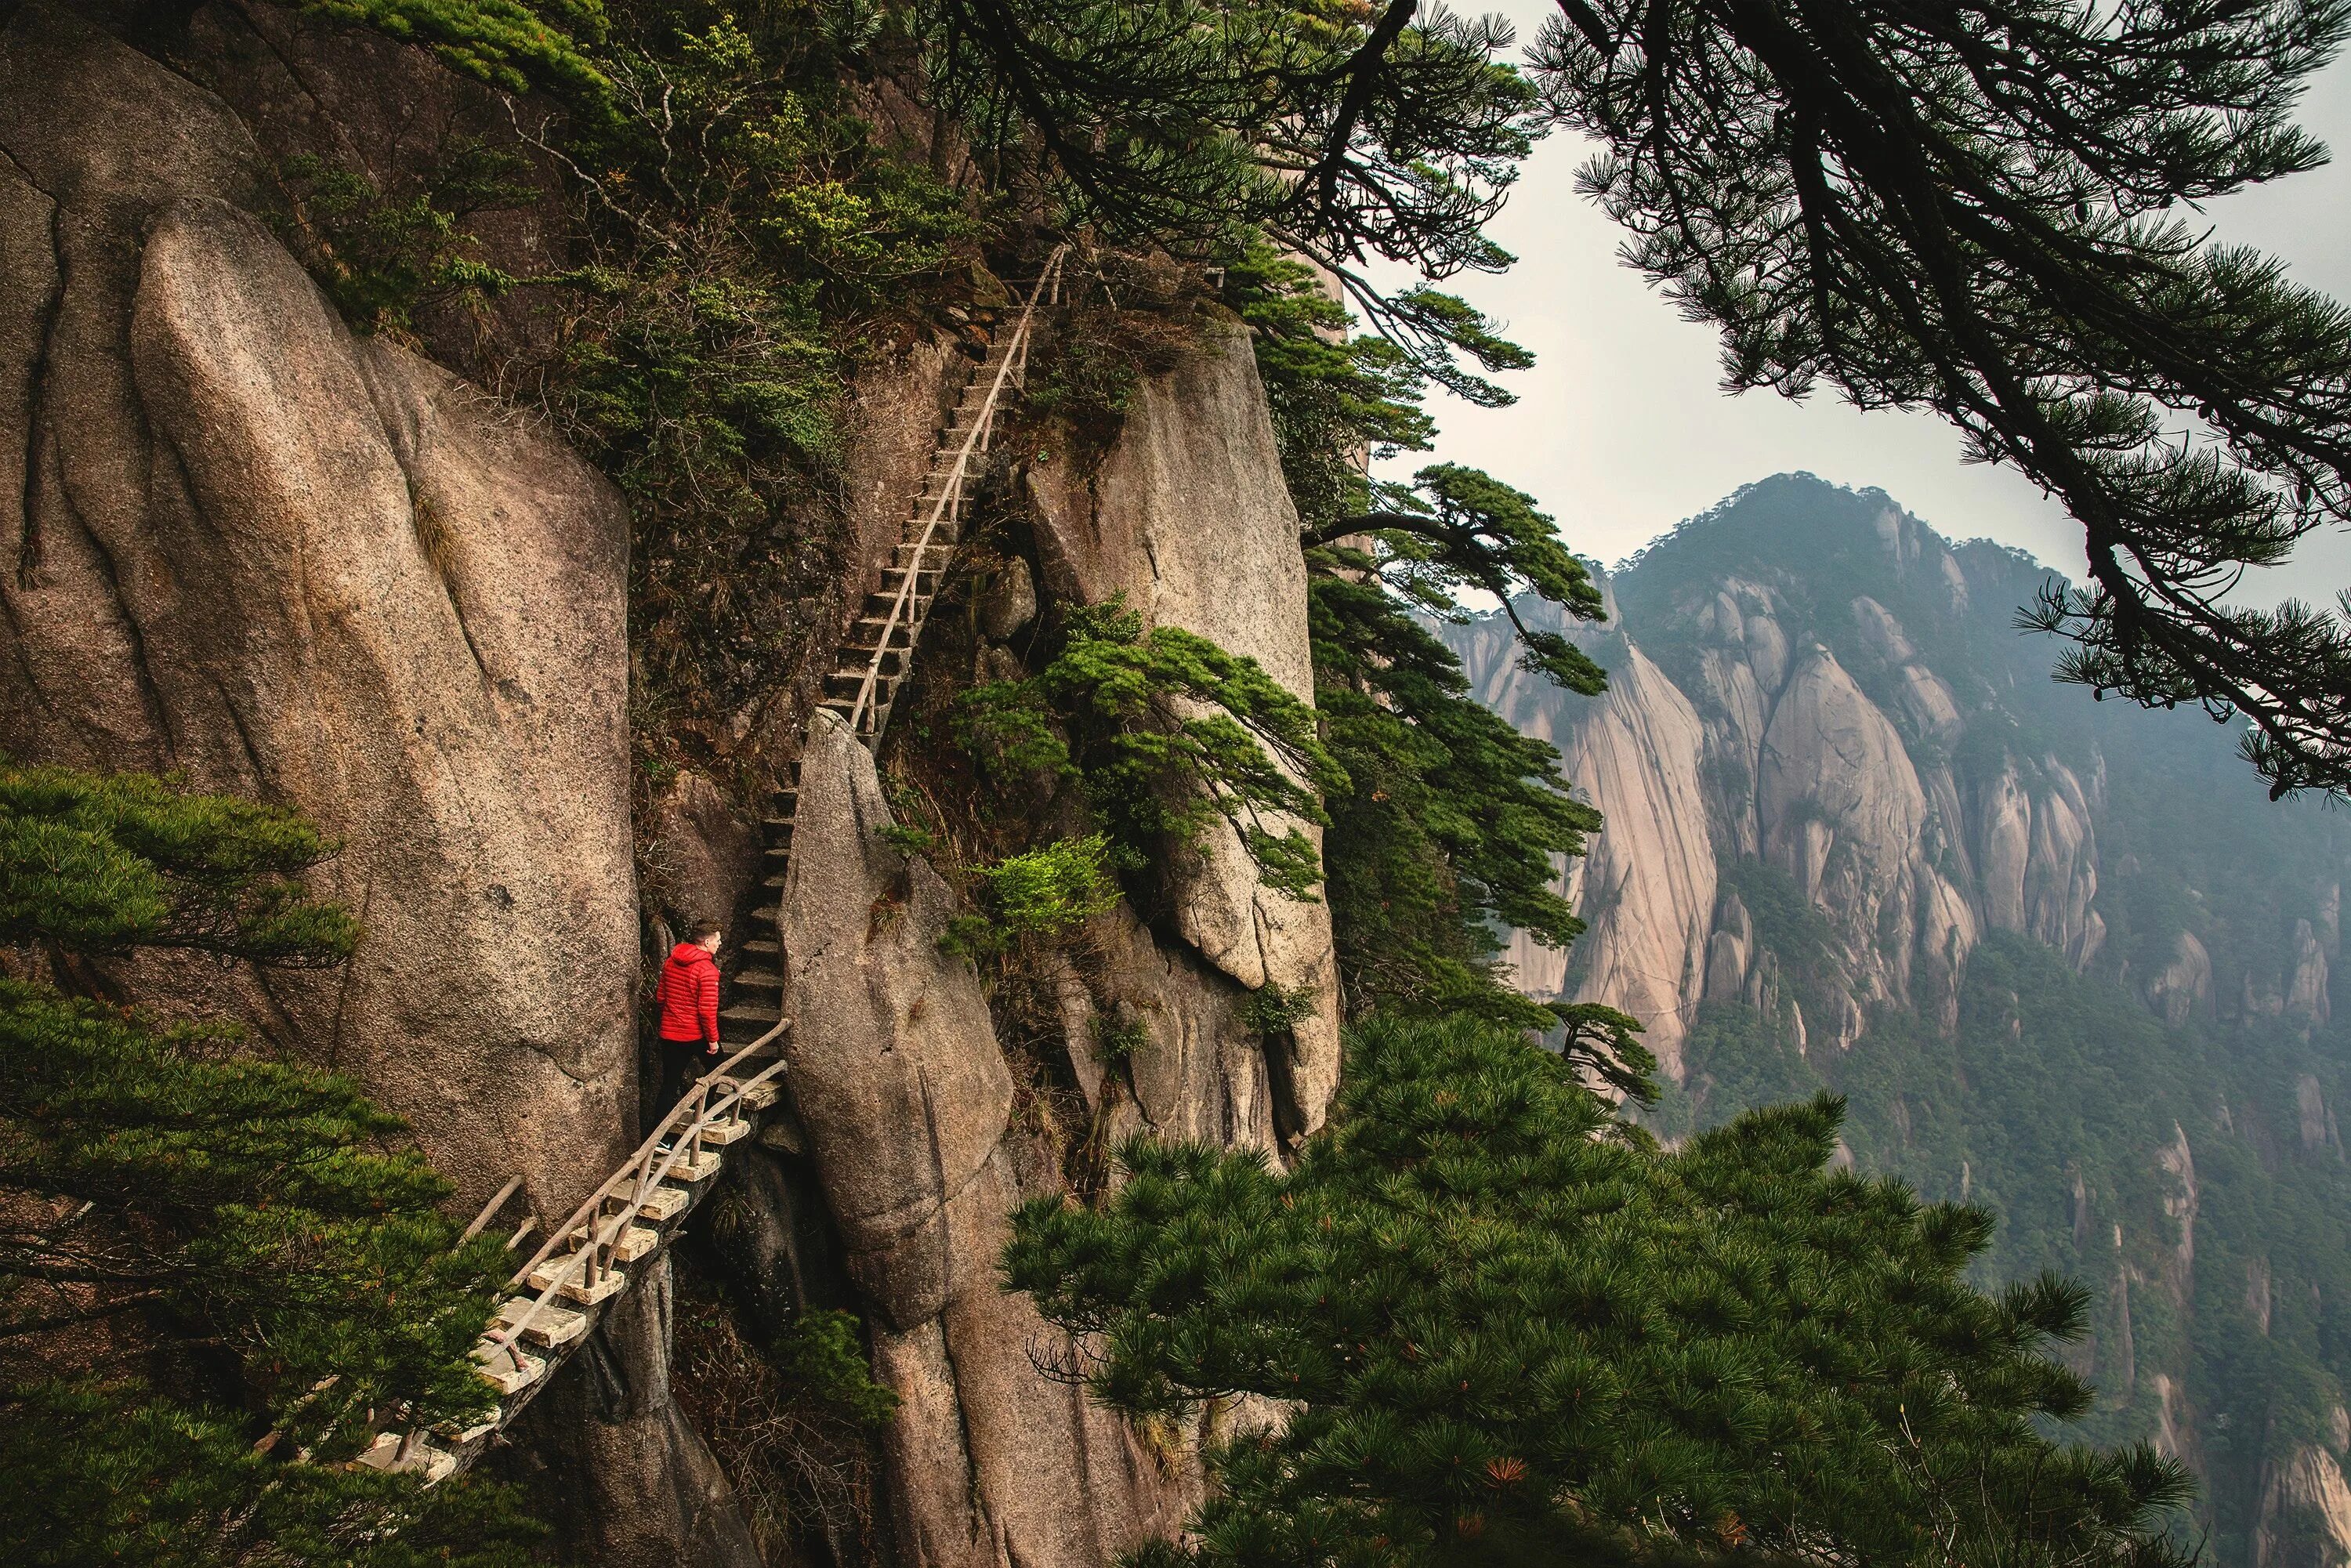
(762, 980)
(746, 1021)
(759, 1096)
(916, 605)
(933, 555)
(509, 1371)
(846, 684)
(631, 1244)
(857, 661)
(760, 949)
(725, 1131)
(665, 1203)
(608, 1283)
(551, 1326)
(697, 1163)
(926, 580)
(778, 846)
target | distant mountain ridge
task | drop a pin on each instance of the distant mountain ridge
(2062, 957)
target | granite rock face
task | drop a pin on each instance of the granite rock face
(1646, 888)
(2305, 1514)
(1734, 732)
(896, 1073)
(315, 569)
(1188, 522)
(291, 563)
(321, 569)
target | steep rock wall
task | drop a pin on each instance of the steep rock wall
(1834, 766)
(321, 569)
(1188, 522)
(907, 1099)
(1646, 890)
(243, 544)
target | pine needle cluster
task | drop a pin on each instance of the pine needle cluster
(1499, 1324)
(175, 1209)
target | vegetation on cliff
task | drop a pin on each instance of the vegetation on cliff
(216, 1268)
(2153, 1116)
(1899, 205)
(1502, 1324)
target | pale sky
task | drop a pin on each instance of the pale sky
(1622, 430)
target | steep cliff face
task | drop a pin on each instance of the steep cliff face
(1646, 890)
(244, 545)
(908, 1102)
(291, 562)
(1754, 718)
(1188, 522)
(2061, 959)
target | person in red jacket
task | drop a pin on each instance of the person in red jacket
(687, 994)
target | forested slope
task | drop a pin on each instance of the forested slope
(2062, 958)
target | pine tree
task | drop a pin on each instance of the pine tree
(1990, 211)
(243, 1230)
(1504, 1325)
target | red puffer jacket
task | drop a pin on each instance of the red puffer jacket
(687, 993)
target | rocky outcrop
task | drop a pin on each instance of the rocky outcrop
(2305, 1513)
(896, 1074)
(1646, 889)
(701, 855)
(1187, 520)
(295, 564)
(609, 1431)
(1841, 811)
(1822, 742)
(313, 567)
(2182, 989)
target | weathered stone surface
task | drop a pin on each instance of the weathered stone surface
(313, 569)
(1187, 517)
(2305, 1513)
(317, 570)
(2305, 982)
(1842, 810)
(1647, 884)
(895, 1067)
(619, 1473)
(2182, 989)
(897, 1076)
(702, 853)
(1199, 1072)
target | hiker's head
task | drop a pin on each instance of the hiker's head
(705, 934)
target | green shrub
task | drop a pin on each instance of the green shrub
(1167, 733)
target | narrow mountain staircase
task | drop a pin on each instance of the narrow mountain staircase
(587, 1260)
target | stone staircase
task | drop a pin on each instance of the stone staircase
(585, 1263)
(875, 657)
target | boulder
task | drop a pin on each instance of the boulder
(315, 569)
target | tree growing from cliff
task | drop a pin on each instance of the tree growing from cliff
(1977, 211)
(1450, 825)
(1508, 1328)
(240, 1227)
(1167, 733)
